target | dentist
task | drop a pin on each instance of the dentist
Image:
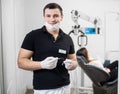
(49, 53)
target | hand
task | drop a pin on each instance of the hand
(68, 63)
(107, 70)
(49, 63)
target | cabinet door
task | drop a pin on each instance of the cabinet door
(112, 22)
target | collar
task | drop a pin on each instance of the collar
(61, 33)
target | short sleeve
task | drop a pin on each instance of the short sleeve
(28, 42)
(72, 49)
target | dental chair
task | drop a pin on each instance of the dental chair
(98, 76)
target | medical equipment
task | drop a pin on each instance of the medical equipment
(75, 15)
(82, 32)
(82, 38)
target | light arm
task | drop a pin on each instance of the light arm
(25, 62)
(74, 61)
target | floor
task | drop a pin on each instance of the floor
(29, 91)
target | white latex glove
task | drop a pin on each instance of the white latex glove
(68, 63)
(49, 63)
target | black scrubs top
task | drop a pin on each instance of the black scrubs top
(43, 45)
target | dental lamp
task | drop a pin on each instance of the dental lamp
(76, 29)
(75, 15)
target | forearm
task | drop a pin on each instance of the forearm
(73, 60)
(75, 64)
(28, 64)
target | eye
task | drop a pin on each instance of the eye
(48, 16)
(56, 15)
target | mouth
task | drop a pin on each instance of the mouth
(53, 23)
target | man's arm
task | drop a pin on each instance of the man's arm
(25, 62)
(74, 61)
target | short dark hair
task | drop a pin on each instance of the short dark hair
(53, 6)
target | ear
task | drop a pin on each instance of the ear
(62, 17)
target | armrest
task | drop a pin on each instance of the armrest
(111, 82)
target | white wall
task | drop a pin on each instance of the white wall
(25, 15)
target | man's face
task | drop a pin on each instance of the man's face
(53, 16)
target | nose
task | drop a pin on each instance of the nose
(52, 18)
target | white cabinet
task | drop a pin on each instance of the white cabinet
(112, 36)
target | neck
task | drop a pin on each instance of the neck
(54, 33)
